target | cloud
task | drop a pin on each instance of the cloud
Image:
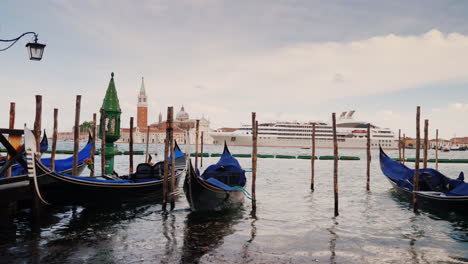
(223, 60)
(459, 107)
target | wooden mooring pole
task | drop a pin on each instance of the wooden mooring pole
(416, 162)
(399, 145)
(173, 178)
(369, 157)
(130, 146)
(201, 150)
(312, 159)
(93, 148)
(404, 148)
(11, 125)
(54, 140)
(103, 141)
(197, 127)
(254, 159)
(12, 115)
(76, 136)
(166, 170)
(426, 141)
(170, 117)
(437, 150)
(156, 144)
(335, 164)
(37, 121)
(147, 144)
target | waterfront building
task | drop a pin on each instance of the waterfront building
(157, 131)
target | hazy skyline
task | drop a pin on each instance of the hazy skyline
(285, 60)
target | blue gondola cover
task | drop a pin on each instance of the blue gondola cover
(429, 179)
(227, 170)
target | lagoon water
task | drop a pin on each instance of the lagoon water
(291, 224)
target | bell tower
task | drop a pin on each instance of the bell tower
(142, 107)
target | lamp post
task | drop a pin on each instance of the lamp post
(111, 108)
(35, 49)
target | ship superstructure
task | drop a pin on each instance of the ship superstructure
(350, 134)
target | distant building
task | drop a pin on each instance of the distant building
(459, 142)
(157, 131)
(441, 143)
(69, 136)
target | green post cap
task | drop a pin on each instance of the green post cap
(111, 101)
(112, 111)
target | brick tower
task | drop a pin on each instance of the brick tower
(142, 107)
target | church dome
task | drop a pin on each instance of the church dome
(182, 115)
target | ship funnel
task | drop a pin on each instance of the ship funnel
(342, 115)
(350, 114)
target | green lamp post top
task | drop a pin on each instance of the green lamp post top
(111, 101)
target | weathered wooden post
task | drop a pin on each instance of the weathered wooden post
(93, 148)
(37, 122)
(11, 125)
(369, 157)
(76, 135)
(426, 142)
(111, 123)
(416, 162)
(312, 159)
(404, 147)
(437, 150)
(103, 141)
(130, 146)
(12, 115)
(201, 150)
(197, 128)
(399, 145)
(54, 140)
(254, 158)
(335, 164)
(166, 170)
(156, 143)
(170, 117)
(147, 144)
(173, 178)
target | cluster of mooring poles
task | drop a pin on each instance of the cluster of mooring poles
(401, 158)
(109, 132)
(335, 163)
(14, 149)
(418, 149)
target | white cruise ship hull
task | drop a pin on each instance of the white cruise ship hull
(235, 139)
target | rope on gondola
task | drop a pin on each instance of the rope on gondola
(245, 192)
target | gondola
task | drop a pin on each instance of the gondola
(146, 182)
(61, 165)
(220, 186)
(436, 191)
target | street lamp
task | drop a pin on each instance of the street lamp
(35, 49)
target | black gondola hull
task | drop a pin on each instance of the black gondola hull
(429, 200)
(205, 197)
(426, 202)
(62, 189)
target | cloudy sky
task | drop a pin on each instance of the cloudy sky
(286, 60)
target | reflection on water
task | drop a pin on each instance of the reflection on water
(205, 232)
(253, 233)
(333, 239)
(291, 224)
(169, 231)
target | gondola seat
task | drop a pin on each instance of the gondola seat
(143, 171)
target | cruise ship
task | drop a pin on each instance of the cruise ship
(350, 134)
